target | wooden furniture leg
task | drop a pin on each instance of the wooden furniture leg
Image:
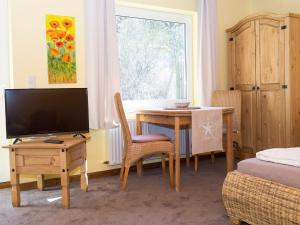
(229, 149)
(123, 163)
(83, 172)
(177, 152)
(212, 157)
(40, 182)
(163, 164)
(187, 146)
(171, 171)
(125, 179)
(122, 168)
(15, 189)
(196, 163)
(138, 125)
(15, 180)
(139, 165)
(65, 180)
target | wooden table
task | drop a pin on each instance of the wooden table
(183, 118)
(39, 158)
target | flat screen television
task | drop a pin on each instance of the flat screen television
(32, 112)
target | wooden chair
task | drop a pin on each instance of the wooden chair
(229, 99)
(138, 147)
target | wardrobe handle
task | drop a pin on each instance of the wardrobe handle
(253, 88)
(257, 88)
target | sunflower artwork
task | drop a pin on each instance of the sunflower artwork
(61, 49)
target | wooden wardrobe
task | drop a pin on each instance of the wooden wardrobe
(264, 63)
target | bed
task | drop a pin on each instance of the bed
(261, 193)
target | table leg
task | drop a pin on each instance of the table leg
(40, 182)
(65, 180)
(187, 146)
(15, 180)
(83, 171)
(229, 149)
(139, 165)
(163, 165)
(196, 163)
(177, 152)
(138, 125)
(15, 190)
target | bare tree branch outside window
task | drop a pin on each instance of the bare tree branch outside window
(152, 56)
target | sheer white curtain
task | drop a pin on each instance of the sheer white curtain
(207, 50)
(4, 83)
(102, 62)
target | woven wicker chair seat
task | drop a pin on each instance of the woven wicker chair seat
(140, 150)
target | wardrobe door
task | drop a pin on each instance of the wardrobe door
(270, 83)
(293, 91)
(243, 45)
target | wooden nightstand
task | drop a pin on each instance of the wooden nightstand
(39, 158)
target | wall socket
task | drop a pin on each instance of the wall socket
(31, 81)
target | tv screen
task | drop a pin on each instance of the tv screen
(31, 112)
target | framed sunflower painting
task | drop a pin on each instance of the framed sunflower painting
(60, 32)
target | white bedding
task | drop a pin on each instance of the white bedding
(287, 156)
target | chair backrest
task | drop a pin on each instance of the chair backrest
(124, 124)
(230, 99)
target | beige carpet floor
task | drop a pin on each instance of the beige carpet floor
(148, 201)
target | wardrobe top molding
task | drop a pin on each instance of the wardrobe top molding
(260, 15)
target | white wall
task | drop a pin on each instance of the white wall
(229, 12)
(276, 6)
(4, 83)
(29, 53)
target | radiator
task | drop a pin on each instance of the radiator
(115, 139)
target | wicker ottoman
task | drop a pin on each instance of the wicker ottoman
(260, 202)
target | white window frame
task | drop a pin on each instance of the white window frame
(134, 105)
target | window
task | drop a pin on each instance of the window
(155, 56)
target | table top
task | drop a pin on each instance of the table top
(38, 144)
(179, 112)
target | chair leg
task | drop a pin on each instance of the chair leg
(235, 221)
(122, 169)
(139, 167)
(187, 147)
(171, 170)
(163, 165)
(196, 163)
(125, 179)
(212, 156)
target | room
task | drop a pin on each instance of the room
(118, 112)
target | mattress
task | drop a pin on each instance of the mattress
(283, 174)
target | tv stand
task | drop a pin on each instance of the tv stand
(79, 134)
(17, 140)
(39, 158)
